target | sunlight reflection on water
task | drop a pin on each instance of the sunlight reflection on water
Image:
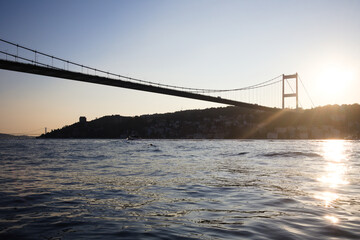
(335, 174)
(332, 219)
(327, 197)
(334, 150)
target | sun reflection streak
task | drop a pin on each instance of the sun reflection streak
(335, 172)
(335, 175)
(327, 197)
(332, 219)
(334, 150)
(334, 153)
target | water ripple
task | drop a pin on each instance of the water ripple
(177, 189)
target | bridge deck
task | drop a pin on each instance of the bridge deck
(77, 76)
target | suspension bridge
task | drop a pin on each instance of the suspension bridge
(23, 59)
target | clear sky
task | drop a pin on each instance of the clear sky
(192, 43)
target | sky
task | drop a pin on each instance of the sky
(217, 44)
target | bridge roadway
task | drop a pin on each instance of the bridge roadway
(77, 76)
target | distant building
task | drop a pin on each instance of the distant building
(82, 120)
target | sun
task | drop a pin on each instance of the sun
(333, 80)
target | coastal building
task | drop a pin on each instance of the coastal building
(82, 119)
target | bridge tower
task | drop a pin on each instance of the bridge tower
(286, 95)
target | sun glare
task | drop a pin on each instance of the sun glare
(333, 80)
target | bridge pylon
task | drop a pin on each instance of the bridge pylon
(286, 95)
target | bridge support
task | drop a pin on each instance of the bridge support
(285, 95)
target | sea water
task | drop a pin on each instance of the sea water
(179, 189)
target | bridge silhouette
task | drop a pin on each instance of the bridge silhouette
(28, 61)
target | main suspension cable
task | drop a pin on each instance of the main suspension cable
(307, 93)
(66, 62)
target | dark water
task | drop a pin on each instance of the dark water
(160, 189)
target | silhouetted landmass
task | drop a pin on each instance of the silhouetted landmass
(9, 136)
(224, 123)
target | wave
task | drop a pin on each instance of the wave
(233, 154)
(290, 154)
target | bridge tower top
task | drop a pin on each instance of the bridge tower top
(293, 94)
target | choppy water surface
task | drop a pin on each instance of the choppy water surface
(109, 189)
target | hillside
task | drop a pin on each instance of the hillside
(223, 123)
(8, 136)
